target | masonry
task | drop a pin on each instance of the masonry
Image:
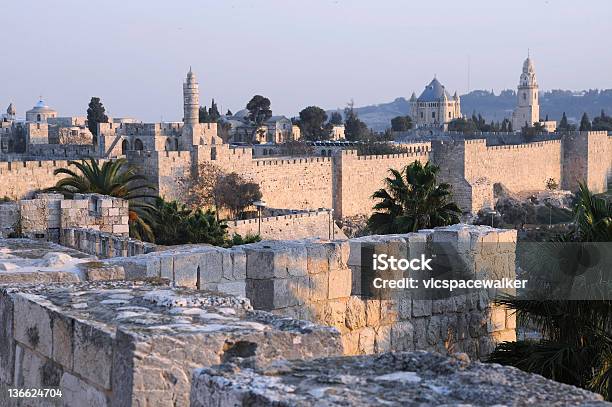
(320, 280)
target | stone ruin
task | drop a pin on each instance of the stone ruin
(266, 324)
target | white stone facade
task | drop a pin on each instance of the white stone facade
(527, 111)
(435, 107)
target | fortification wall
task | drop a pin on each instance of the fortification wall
(358, 177)
(21, 179)
(587, 158)
(297, 183)
(317, 224)
(522, 167)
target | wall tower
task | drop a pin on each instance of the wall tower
(527, 111)
(191, 100)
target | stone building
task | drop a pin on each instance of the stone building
(434, 107)
(40, 113)
(527, 111)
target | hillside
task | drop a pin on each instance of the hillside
(496, 107)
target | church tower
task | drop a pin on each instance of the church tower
(527, 111)
(191, 100)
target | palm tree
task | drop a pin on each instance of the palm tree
(576, 341)
(413, 200)
(114, 178)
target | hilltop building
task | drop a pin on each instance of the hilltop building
(435, 107)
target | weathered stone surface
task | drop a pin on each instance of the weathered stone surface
(390, 379)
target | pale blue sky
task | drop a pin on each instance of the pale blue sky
(134, 53)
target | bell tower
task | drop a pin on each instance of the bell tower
(527, 111)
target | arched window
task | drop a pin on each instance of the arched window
(138, 145)
(38, 118)
(176, 144)
(168, 144)
(125, 146)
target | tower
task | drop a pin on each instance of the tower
(527, 111)
(191, 100)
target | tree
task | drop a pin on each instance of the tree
(564, 125)
(259, 110)
(213, 112)
(312, 123)
(95, 114)
(114, 178)
(354, 129)
(585, 123)
(401, 123)
(235, 193)
(462, 125)
(602, 122)
(336, 119)
(413, 200)
(176, 224)
(203, 115)
(229, 113)
(576, 344)
(202, 187)
(296, 148)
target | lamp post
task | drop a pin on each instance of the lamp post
(492, 213)
(260, 205)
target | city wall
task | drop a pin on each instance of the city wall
(21, 179)
(317, 224)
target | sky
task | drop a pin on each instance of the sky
(134, 54)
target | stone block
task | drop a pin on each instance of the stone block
(93, 353)
(319, 287)
(210, 265)
(372, 312)
(402, 335)
(497, 319)
(317, 259)
(121, 229)
(277, 293)
(237, 288)
(63, 331)
(355, 313)
(297, 260)
(382, 342)
(186, 267)
(367, 338)
(76, 392)
(266, 263)
(34, 330)
(421, 308)
(7, 344)
(420, 333)
(340, 283)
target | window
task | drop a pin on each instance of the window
(421, 115)
(433, 115)
(524, 96)
(449, 115)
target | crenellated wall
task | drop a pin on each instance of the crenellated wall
(20, 179)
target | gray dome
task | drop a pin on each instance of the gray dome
(40, 107)
(433, 92)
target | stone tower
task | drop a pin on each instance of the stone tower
(191, 100)
(527, 111)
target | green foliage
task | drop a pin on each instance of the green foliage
(477, 123)
(95, 114)
(552, 184)
(114, 178)
(380, 148)
(585, 123)
(238, 240)
(564, 125)
(354, 128)
(401, 123)
(412, 200)
(213, 112)
(603, 122)
(259, 109)
(336, 118)
(576, 345)
(296, 149)
(229, 113)
(176, 224)
(203, 115)
(312, 124)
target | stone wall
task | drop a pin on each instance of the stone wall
(124, 344)
(321, 281)
(45, 216)
(318, 224)
(357, 177)
(588, 159)
(102, 244)
(21, 179)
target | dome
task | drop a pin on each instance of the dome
(41, 107)
(433, 92)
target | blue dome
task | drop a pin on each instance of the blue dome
(433, 92)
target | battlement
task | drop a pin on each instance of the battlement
(31, 164)
(284, 161)
(534, 145)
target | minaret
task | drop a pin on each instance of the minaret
(528, 109)
(191, 100)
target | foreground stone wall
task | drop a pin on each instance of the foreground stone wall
(125, 344)
(391, 379)
(320, 281)
(103, 245)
